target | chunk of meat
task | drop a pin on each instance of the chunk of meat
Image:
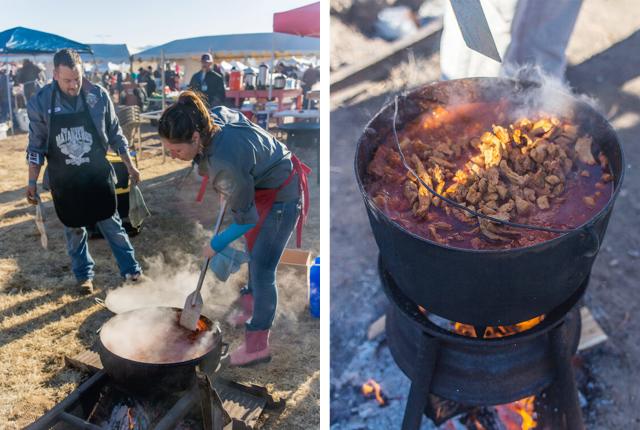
(543, 202)
(493, 175)
(539, 151)
(589, 201)
(439, 189)
(524, 124)
(523, 206)
(410, 191)
(552, 180)
(384, 159)
(491, 231)
(442, 162)
(541, 127)
(424, 196)
(502, 134)
(491, 149)
(583, 150)
(529, 194)
(607, 177)
(503, 191)
(434, 234)
(512, 176)
(517, 136)
(558, 190)
(463, 216)
(441, 225)
(460, 177)
(507, 207)
(473, 195)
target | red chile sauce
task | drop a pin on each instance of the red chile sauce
(468, 121)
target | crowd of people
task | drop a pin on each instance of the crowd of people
(136, 87)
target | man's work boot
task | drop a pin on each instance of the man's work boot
(254, 350)
(86, 286)
(240, 316)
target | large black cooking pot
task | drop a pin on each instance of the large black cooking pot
(486, 287)
(145, 378)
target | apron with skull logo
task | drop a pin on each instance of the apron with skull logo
(80, 176)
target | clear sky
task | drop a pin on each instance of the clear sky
(142, 24)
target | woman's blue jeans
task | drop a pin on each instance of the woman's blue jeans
(265, 256)
(111, 228)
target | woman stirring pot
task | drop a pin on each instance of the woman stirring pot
(265, 186)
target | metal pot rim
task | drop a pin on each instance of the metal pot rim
(216, 332)
(581, 229)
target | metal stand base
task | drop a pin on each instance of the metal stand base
(566, 413)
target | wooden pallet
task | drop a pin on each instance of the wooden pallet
(591, 334)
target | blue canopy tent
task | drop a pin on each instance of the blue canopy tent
(21, 40)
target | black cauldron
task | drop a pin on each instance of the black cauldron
(145, 378)
(486, 287)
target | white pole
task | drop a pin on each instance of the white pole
(162, 67)
(273, 54)
(270, 75)
(9, 96)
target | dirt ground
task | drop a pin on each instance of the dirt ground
(42, 318)
(604, 62)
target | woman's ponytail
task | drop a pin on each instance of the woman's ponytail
(188, 115)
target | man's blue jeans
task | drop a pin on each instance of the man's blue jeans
(113, 232)
(265, 256)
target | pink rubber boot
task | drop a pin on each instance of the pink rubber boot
(241, 316)
(254, 350)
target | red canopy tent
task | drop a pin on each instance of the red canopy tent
(301, 21)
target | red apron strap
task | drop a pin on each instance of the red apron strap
(203, 188)
(303, 171)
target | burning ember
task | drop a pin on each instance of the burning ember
(128, 417)
(371, 389)
(490, 332)
(518, 415)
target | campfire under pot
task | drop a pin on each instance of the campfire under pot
(517, 284)
(483, 372)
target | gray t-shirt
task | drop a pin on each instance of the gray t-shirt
(242, 157)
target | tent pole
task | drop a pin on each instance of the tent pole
(9, 96)
(162, 67)
(273, 54)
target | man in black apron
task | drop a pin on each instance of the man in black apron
(72, 123)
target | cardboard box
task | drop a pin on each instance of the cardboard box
(297, 257)
(301, 261)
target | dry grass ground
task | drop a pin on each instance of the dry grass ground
(42, 318)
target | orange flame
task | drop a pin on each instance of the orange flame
(508, 330)
(490, 332)
(522, 409)
(372, 387)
